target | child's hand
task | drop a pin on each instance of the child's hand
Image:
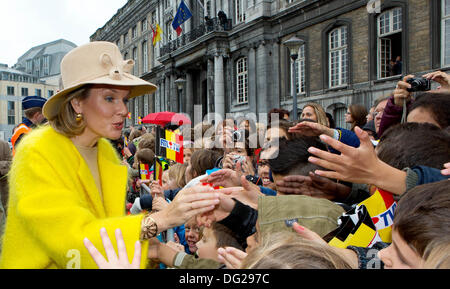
(176, 246)
(156, 189)
(159, 203)
(231, 257)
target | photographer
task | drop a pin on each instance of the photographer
(403, 92)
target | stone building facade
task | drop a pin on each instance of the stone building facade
(239, 63)
(43, 61)
(14, 86)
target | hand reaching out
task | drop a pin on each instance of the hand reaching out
(309, 128)
(224, 177)
(358, 165)
(247, 194)
(231, 257)
(114, 261)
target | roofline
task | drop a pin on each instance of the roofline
(48, 44)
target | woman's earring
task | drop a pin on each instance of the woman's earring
(79, 117)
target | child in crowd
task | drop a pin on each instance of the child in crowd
(215, 237)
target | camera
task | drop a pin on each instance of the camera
(238, 159)
(238, 136)
(419, 84)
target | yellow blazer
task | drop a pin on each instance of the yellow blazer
(54, 204)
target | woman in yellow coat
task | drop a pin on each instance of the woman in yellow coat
(66, 180)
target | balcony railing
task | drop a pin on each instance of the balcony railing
(210, 25)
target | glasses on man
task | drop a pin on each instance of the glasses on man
(375, 113)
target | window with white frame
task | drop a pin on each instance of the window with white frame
(445, 34)
(10, 90)
(207, 8)
(136, 111)
(145, 57)
(29, 66)
(300, 70)
(242, 80)
(338, 56)
(239, 11)
(134, 32)
(46, 66)
(389, 29)
(11, 112)
(135, 58)
(144, 25)
(37, 67)
(169, 30)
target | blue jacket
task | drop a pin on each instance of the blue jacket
(347, 137)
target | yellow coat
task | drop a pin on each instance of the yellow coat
(54, 204)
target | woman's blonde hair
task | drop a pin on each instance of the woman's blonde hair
(177, 172)
(287, 250)
(320, 113)
(65, 121)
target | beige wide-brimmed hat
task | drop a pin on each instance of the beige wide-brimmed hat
(95, 63)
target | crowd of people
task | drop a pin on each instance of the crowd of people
(283, 195)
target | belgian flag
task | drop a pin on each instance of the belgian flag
(169, 145)
(145, 172)
(157, 174)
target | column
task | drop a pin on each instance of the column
(174, 105)
(167, 99)
(210, 87)
(213, 9)
(262, 79)
(252, 80)
(189, 109)
(219, 88)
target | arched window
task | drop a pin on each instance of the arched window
(300, 71)
(239, 8)
(135, 58)
(445, 34)
(389, 30)
(242, 80)
(337, 57)
(144, 56)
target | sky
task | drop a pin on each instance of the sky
(28, 23)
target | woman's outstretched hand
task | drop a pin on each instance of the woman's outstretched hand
(114, 261)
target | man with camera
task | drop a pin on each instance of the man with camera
(403, 93)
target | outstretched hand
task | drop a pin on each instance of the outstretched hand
(314, 186)
(247, 194)
(114, 261)
(224, 177)
(231, 257)
(358, 165)
(309, 128)
(355, 165)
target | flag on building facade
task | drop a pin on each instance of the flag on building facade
(157, 32)
(129, 115)
(139, 120)
(183, 14)
(368, 223)
(169, 145)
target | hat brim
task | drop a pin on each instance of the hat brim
(138, 87)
